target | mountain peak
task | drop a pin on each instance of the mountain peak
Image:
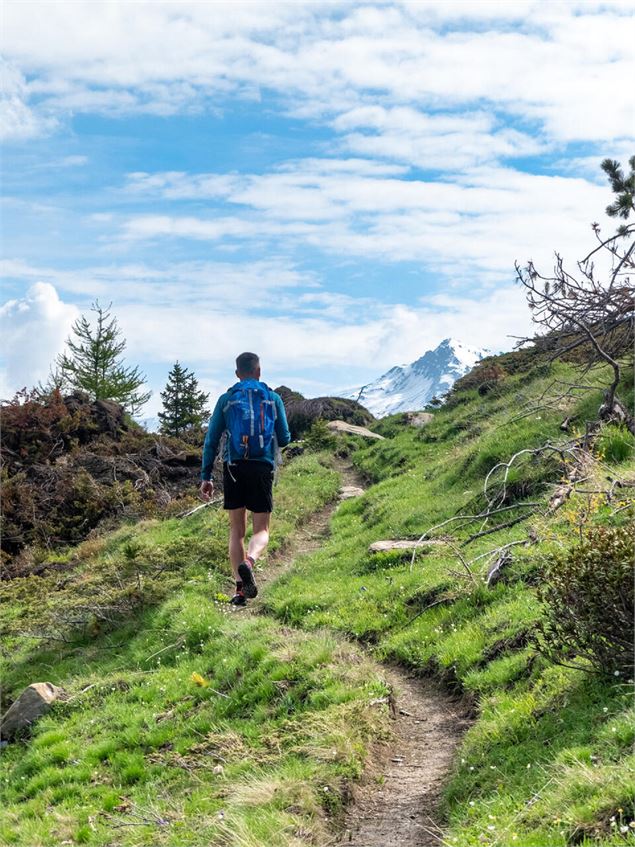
(408, 388)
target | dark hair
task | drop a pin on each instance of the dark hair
(247, 364)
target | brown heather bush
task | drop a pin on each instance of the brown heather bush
(70, 465)
(589, 602)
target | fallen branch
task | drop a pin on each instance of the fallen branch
(496, 528)
(198, 508)
(178, 643)
(447, 599)
(468, 519)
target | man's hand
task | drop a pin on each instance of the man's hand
(206, 489)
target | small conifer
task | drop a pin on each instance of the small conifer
(92, 363)
(184, 405)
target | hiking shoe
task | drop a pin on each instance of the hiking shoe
(238, 599)
(250, 589)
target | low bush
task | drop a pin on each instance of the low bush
(589, 602)
(320, 437)
(615, 444)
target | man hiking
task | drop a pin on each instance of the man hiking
(252, 420)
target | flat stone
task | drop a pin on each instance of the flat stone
(342, 426)
(348, 491)
(402, 544)
(32, 703)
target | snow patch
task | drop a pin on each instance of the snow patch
(408, 388)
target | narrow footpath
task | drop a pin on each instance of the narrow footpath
(396, 804)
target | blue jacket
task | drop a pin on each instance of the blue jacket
(218, 425)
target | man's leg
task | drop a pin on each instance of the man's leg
(260, 538)
(237, 530)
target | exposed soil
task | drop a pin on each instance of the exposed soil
(397, 803)
(398, 806)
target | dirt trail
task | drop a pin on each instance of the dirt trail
(399, 808)
(396, 804)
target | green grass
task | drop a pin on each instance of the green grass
(548, 760)
(261, 753)
(139, 753)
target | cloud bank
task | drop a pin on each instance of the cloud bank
(34, 329)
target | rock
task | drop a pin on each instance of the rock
(32, 703)
(303, 412)
(419, 419)
(348, 491)
(342, 426)
(403, 544)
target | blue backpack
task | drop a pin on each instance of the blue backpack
(251, 419)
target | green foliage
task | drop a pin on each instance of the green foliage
(184, 405)
(616, 444)
(93, 363)
(319, 437)
(621, 185)
(284, 706)
(590, 607)
(186, 723)
(533, 717)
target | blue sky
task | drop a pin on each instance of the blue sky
(336, 186)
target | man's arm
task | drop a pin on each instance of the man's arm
(282, 427)
(212, 439)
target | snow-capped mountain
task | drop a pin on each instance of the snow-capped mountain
(407, 388)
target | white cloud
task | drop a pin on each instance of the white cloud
(335, 352)
(197, 283)
(18, 121)
(475, 224)
(563, 64)
(337, 338)
(432, 141)
(34, 329)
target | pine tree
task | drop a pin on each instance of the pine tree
(184, 405)
(92, 362)
(622, 186)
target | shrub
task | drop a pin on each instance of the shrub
(588, 596)
(484, 377)
(320, 437)
(615, 444)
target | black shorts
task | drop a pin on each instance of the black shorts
(248, 485)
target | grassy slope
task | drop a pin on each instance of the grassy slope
(131, 759)
(140, 754)
(549, 759)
